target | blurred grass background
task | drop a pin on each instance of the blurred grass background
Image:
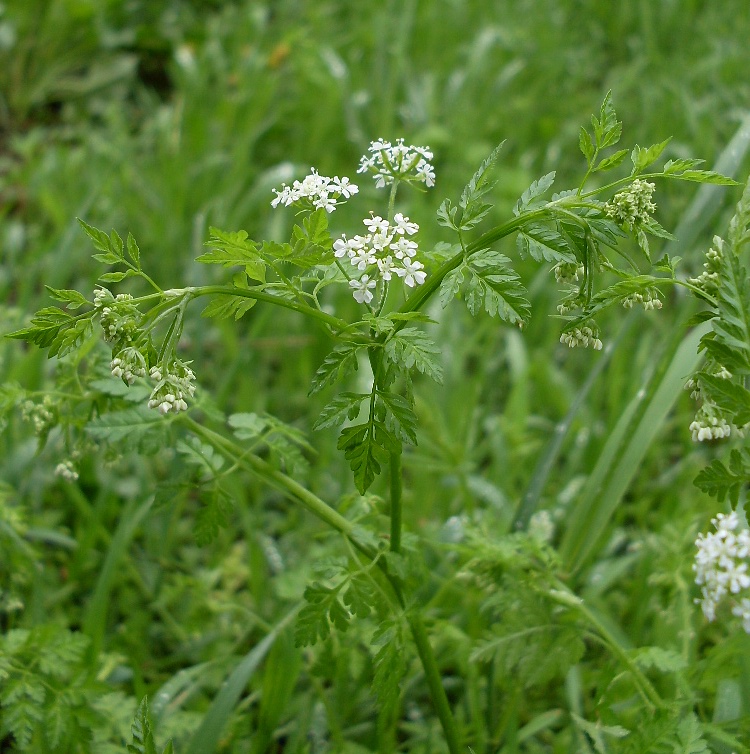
(162, 118)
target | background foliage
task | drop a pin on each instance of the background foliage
(166, 118)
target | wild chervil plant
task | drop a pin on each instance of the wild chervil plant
(537, 627)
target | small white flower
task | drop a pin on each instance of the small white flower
(411, 272)
(362, 258)
(403, 225)
(363, 289)
(344, 186)
(376, 224)
(66, 470)
(404, 248)
(386, 267)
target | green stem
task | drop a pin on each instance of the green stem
(229, 290)
(435, 683)
(396, 508)
(568, 598)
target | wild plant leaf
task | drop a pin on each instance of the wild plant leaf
(663, 660)
(721, 482)
(226, 306)
(366, 447)
(339, 363)
(361, 595)
(133, 251)
(143, 737)
(704, 176)
(401, 412)
(447, 215)
(598, 732)
(679, 166)
(389, 664)
(128, 429)
(342, 407)
(311, 242)
(411, 348)
(544, 244)
(116, 277)
(322, 610)
(212, 516)
(496, 287)
(732, 397)
(451, 285)
(110, 246)
(73, 299)
(473, 209)
(739, 225)
(686, 739)
(586, 145)
(200, 454)
(642, 157)
(608, 163)
(732, 327)
(234, 249)
(607, 129)
(534, 192)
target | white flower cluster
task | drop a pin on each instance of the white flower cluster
(41, 415)
(721, 567)
(650, 300)
(708, 280)
(588, 337)
(390, 162)
(173, 382)
(128, 364)
(633, 206)
(67, 471)
(315, 190)
(386, 250)
(709, 424)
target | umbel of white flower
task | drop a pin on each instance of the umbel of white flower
(316, 191)
(632, 207)
(385, 251)
(587, 337)
(721, 568)
(174, 381)
(389, 162)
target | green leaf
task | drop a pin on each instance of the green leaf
(133, 251)
(128, 429)
(643, 157)
(389, 663)
(116, 277)
(608, 163)
(74, 299)
(212, 516)
(704, 176)
(544, 244)
(586, 145)
(534, 192)
(721, 482)
(679, 166)
(607, 129)
(339, 363)
(730, 396)
(473, 209)
(451, 285)
(446, 215)
(497, 288)
(402, 414)
(322, 611)
(366, 447)
(143, 737)
(596, 732)
(342, 407)
(56, 330)
(410, 347)
(103, 243)
(225, 306)
(732, 327)
(232, 250)
(361, 595)
(311, 242)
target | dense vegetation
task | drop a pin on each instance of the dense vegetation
(549, 506)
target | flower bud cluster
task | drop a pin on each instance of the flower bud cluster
(709, 424)
(66, 470)
(315, 192)
(119, 317)
(721, 568)
(587, 337)
(385, 251)
(41, 415)
(632, 207)
(708, 280)
(174, 381)
(389, 162)
(650, 300)
(567, 272)
(128, 365)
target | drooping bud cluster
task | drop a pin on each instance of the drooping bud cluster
(710, 422)
(389, 162)
(385, 251)
(721, 568)
(587, 337)
(174, 381)
(632, 207)
(66, 470)
(567, 272)
(119, 317)
(650, 300)
(708, 280)
(315, 192)
(41, 415)
(128, 364)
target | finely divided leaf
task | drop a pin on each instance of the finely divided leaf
(544, 244)
(612, 161)
(704, 176)
(410, 347)
(390, 664)
(322, 610)
(607, 129)
(342, 407)
(534, 192)
(642, 157)
(74, 299)
(366, 447)
(586, 145)
(340, 362)
(496, 287)
(719, 481)
(402, 415)
(234, 249)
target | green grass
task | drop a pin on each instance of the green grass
(164, 119)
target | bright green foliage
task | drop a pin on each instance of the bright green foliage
(721, 481)
(143, 735)
(389, 663)
(409, 348)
